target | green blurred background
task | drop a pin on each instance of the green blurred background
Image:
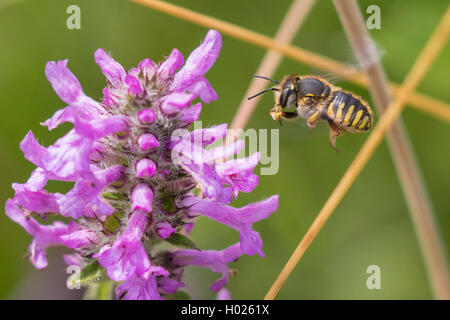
(370, 226)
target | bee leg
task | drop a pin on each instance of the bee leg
(312, 120)
(276, 113)
(334, 133)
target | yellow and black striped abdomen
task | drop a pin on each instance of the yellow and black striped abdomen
(349, 112)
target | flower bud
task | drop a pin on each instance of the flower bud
(147, 142)
(142, 198)
(146, 116)
(145, 168)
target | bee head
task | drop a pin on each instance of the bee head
(288, 93)
(311, 91)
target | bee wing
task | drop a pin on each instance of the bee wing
(298, 130)
(356, 62)
(330, 77)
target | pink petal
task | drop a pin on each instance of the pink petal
(240, 219)
(171, 65)
(134, 86)
(199, 61)
(32, 150)
(175, 102)
(44, 236)
(112, 70)
(164, 229)
(203, 89)
(68, 88)
(214, 260)
(35, 200)
(147, 67)
(191, 114)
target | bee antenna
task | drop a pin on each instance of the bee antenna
(265, 90)
(265, 78)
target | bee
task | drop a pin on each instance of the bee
(315, 99)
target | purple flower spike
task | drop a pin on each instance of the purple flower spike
(142, 198)
(146, 116)
(126, 256)
(140, 176)
(147, 142)
(145, 168)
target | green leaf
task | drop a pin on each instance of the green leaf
(182, 241)
(111, 224)
(168, 204)
(179, 295)
(117, 184)
(114, 196)
(90, 273)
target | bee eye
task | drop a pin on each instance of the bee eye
(309, 100)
